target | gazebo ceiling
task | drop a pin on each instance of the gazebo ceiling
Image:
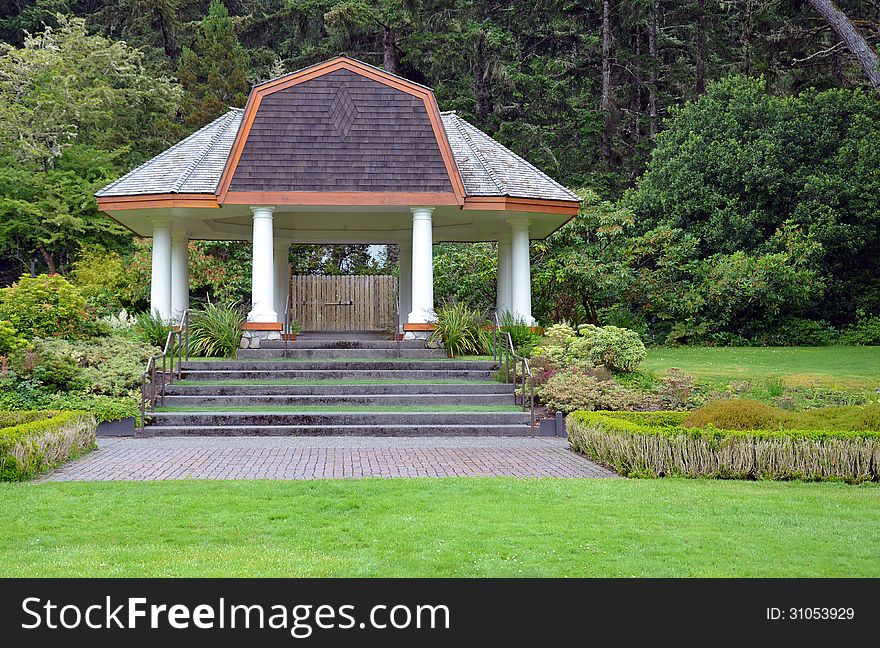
(329, 141)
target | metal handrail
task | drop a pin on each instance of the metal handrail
(153, 381)
(285, 334)
(397, 331)
(510, 353)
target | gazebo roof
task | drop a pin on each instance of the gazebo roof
(195, 164)
(340, 127)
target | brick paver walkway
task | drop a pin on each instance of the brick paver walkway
(319, 457)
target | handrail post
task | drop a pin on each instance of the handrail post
(186, 313)
(285, 333)
(397, 328)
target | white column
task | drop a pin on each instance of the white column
(263, 268)
(179, 272)
(520, 270)
(422, 266)
(282, 283)
(503, 297)
(404, 283)
(160, 279)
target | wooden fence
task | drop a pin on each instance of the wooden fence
(344, 303)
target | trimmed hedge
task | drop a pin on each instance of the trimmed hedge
(654, 444)
(31, 442)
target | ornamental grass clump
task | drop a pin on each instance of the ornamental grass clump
(215, 330)
(831, 444)
(460, 331)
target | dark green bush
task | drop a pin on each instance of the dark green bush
(521, 334)
(797, 331)
(31, 442)
(865, 332)
(49, 306)
(657, 444)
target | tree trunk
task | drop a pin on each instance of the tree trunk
(652, 87)
(606, 81)
(50, 262)
(856, 43)
(635, 99)
(483, 76)
(390, 60)
(747, 38)
(702, 64)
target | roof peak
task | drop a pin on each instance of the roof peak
(342, 58)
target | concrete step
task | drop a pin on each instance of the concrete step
(365, 373)
(338, 399)
(321, 419)
(331, 354)
(330, 343)
(325, 365)
(343, 430)
(467, 389)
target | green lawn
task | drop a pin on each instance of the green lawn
(440, 527)
(833, 367)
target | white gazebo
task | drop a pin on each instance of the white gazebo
(341, 152)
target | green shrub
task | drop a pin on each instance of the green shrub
(797, 331)
(104, 408)
(101, 276)
(31, 442)
(568, 391)
(865, 332)
(151, 328)
(10, 340)
(657, 444)
(460, 330)
(744, 414)
(48, 306)
(111, 365)
(559, 334)
(615, 348)
(215, 330)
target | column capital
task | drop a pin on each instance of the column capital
(255, 209)
(423, 213)
(519, 222)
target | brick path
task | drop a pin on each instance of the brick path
(320, 457)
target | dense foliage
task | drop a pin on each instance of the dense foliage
(750, 206)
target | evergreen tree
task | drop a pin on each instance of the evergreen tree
(213, 71)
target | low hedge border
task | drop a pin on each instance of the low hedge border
(654, 444)
(31, 442)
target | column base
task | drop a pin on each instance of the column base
(254, 333)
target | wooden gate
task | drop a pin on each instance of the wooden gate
(344, 303)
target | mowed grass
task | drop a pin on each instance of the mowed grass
(833, 367)
(440, 527)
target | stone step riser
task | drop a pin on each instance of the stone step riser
(355, 374)
(271, 419)
(331, 354)
(368, 365)
(391, 400)
(305, 343)
(439, 389)
(346, 430)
